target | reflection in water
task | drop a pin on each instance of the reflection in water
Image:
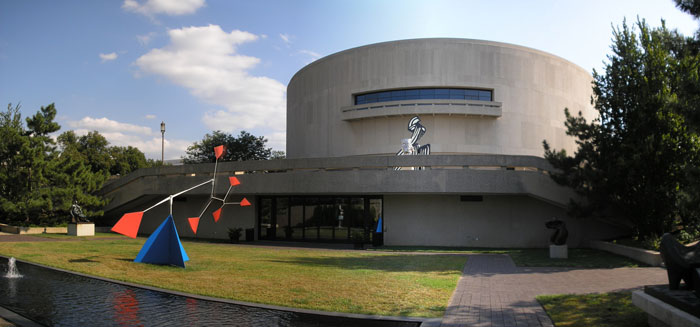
(126, 308)
(12, 286)
(191, 310)
(56, 298)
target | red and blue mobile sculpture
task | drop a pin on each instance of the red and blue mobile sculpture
(163, 247)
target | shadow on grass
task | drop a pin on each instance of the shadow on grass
(388, 263)
(83, 260)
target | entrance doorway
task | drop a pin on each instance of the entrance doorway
(319, 218)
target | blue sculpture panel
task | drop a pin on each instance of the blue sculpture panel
(163, 247)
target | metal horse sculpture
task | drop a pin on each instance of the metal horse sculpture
(560, 234)
(682, 263)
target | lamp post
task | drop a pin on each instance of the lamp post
(162, 143)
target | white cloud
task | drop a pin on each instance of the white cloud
(146, 38)
(277, 141)
(167, 7)
(107, 125)
(124, 134)
(286, 38)
(312, 54)
(108, 56)
(149, 116)
(204, 60)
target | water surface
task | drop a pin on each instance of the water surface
(56, 298)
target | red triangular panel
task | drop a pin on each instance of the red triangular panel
(217, 214)
(244, 202)
(233, 180)
(129, 224)
(218, 151)
(194, 222)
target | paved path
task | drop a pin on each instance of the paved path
(494, 292)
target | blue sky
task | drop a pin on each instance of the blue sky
(122, 67)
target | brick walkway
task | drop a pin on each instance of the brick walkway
(494, 292)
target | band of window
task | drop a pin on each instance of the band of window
(430, 93)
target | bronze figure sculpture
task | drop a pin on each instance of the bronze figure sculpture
(560, 234)
(681, 262)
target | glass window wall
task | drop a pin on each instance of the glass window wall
(326, 219)
(428, 93)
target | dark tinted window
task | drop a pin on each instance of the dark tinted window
(430, 93)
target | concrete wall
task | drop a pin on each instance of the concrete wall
(498, 221)
(347, 175)
(533, 88)
(232, 216)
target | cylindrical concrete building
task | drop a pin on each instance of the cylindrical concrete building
(473, 97)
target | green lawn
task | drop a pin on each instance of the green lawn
(75, 238)
(578, 258)
(331, 280)
(608, 309)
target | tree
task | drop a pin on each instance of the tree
(38, 183)
(126, 159)
(244, 147)
(94, 150)
(278, 154)
(690, 6)
(635, 159)
(26, 164)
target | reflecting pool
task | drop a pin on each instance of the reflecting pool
(56, 298)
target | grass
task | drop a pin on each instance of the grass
(578, 258)
(608, 309)
(61, 236)
(329, 280)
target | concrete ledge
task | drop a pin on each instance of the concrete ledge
(16, 319)
(661, 313)
(652, 258)
(32, 230)
(422, 107)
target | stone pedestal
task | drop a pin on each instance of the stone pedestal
(663, 314)
(81, 229)
(559, 251)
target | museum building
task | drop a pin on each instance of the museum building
(434, 142)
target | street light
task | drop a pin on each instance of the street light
(162, 143)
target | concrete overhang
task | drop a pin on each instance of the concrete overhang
(444, 174)
(477, 108)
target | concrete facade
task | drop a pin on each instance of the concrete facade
(530, 91)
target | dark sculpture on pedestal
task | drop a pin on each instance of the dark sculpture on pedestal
(76, 213)
(682, 263)
(560, 234)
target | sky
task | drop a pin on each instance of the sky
(121, 67)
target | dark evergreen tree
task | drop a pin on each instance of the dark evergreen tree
(635, 159)
(38, 183)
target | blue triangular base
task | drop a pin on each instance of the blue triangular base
(163, 247)
(379, 225)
